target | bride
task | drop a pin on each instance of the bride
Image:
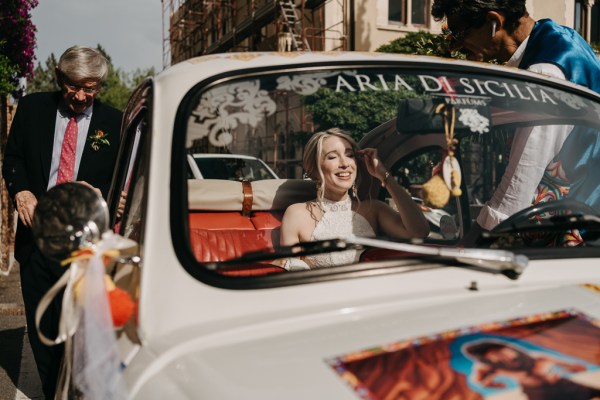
(330, 159)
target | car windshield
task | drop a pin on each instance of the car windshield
(492, 119)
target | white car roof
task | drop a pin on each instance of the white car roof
(184, 75)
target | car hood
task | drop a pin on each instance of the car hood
(320, 355)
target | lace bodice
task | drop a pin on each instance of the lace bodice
(338, 221)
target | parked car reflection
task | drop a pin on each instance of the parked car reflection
(237, 167)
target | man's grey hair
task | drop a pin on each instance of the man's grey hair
(80, 63)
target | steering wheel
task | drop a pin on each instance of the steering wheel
(573, 206)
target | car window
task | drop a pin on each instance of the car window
(134, 188)
(268, 117)
(132, 167)
(444, 222)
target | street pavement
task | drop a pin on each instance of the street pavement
(19, 379)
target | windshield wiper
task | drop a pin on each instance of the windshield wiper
(504, 262)
(495, 261)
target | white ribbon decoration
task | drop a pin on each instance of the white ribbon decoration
(95, 364)
(69, 318)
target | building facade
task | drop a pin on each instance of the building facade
(390, 19)
(197, 27)
(582, 15)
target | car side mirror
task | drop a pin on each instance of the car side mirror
(68, 217)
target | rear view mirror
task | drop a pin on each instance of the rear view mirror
(418, 115)
(68, 217)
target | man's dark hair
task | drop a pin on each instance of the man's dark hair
(479, 351)
(476, 11)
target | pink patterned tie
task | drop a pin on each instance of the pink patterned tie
(66, 164)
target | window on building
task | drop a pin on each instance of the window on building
(580, 17)
(408, 12)
(396, 11)
(419, 12)
(595, 28)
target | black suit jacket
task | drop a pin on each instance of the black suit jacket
(28, 155)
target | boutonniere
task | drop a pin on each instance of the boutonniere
(100, 138)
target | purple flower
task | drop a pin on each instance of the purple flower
(17, 37)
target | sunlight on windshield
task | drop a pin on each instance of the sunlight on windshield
(257, 129)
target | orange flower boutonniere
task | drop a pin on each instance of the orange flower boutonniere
(100, 138)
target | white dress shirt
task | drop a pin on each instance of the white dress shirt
(532, 150)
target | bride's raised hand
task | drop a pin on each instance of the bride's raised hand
(374, 166)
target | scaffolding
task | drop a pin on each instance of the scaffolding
(193, 28)
(196, 27)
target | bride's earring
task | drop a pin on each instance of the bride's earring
(354, 193)
(493, 28)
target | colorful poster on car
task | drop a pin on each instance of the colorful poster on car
(548, 356)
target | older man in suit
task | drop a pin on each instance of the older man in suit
(57, 137)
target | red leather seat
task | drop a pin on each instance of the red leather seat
(228, 219)
(219, 220)
(226, 244)
(266, 220)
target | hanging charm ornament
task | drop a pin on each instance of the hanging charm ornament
(450, 166)
(437, 190)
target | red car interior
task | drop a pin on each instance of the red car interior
(228, 218)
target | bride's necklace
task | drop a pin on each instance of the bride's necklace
(336, 206)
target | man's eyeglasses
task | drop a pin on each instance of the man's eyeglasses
(76, 89)
(456, 36)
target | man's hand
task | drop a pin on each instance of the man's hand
(98, 192)
(26, 202)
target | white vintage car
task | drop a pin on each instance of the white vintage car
(461, 314)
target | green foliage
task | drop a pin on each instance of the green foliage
(361, 112)
(8, 70)
(138, 75)
(420, 43)
(120, 85)
(596, 47)
(357, 113)
(116, 89)
(17, 44)
(43, 77)
(416, 169)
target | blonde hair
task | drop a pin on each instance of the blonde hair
(313, 153)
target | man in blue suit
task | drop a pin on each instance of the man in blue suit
(57, 137)
(502, 30)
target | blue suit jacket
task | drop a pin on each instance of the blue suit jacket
(580, 154)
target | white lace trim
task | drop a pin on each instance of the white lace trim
(336, 206)
(338, 221)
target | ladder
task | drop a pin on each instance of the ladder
(291, 20)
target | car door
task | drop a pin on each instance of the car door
(128, 201)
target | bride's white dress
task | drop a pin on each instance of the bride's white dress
(338, 221)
